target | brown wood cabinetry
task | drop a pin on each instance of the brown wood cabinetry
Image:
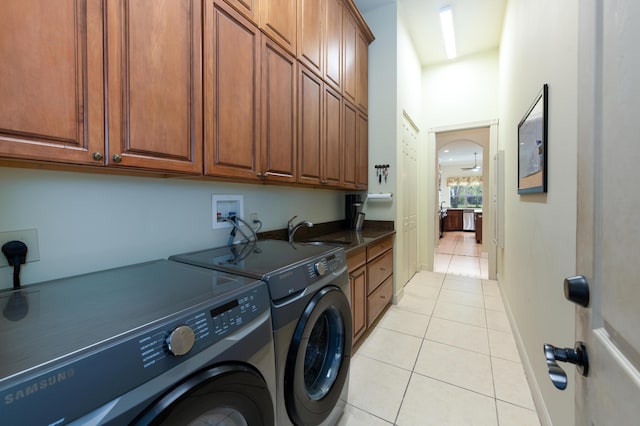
(242, 89)
(453, 220)
(278, 21)
(51, 84)
(356, 147)
(154, 91)
(478, 226)
(356, 265)
(278, 143)
(311, 35)
(371, 283)
(249, 8)
(231, 93)
(333, 44)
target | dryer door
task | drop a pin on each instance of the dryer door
(318, 359)
(227, 395)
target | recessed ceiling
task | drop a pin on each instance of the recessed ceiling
(477, 25)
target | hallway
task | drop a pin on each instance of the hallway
(445, 355)
(458, 253)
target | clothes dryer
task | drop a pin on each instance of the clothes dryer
(155, 343)
(312, 325)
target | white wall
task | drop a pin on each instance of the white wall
(88, 222)
(539, 45)
(383, 74)
(462, 91)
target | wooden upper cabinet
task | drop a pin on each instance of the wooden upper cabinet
(362, 152)
(154, 81)
(231, 93)
(278, 21)
(350, 34)
(311, 34)
(310, 129)
(333, 44)
(51, 83)
(349, 126)
(279, 74)
(332, 139)
(362, 72)
(250, 9)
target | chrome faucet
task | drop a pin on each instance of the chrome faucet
(291, 228)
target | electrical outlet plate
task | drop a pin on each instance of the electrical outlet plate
(27, 236)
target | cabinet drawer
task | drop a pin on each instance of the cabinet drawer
(356, 258)
(374, 250)
(378, 300)
(378, 270)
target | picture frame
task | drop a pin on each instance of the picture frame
(532, 146)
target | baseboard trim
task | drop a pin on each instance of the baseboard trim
(536, 393)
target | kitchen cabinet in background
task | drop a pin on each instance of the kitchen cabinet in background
(478, 226)
(453, 220)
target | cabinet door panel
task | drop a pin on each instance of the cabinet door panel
(349, 57)
(310, 95)
(362, 72)
(358, 281)
(333, 44)
(350, 125)
(51, 80)
(310, 34)
(155, 84)
(362, 157)
(278, 21)
(279, 74)
(231, 89)
(332, 158)
(248, 8)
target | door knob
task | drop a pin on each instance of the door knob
(576, 290)
(577, 356)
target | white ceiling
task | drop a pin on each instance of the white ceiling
(477, 26)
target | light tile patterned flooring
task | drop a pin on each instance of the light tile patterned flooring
(458, 253)
(444, 355)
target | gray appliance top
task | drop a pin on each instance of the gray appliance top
(71, 314)
(258, 259)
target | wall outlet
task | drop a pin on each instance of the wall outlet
(253, 217)
(27, 236)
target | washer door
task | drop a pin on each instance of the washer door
(318, 359)
(228, 395)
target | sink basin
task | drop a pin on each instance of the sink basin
(328, 242)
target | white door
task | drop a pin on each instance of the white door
(409, 190)
(609, 212)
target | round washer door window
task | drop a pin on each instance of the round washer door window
(229, 395)
(319, 357)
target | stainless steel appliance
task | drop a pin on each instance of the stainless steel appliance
(468, 220)
(312, 324)
(140, 345)
(353, 204)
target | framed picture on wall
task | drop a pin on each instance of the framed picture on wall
(532, 146)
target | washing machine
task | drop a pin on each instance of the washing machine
(160, 343)
(311, 315)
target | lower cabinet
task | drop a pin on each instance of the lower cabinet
(371, 283)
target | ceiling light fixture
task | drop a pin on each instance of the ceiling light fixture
(446, 22)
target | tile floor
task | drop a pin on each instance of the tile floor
(444, 355)
(458, 253)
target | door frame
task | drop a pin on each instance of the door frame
(428, 184)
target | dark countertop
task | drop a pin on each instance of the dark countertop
(336, 231)
(354, 239)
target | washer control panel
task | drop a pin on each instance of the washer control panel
(325, 265)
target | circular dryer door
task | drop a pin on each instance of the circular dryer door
(318, 359)
(227, 395)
